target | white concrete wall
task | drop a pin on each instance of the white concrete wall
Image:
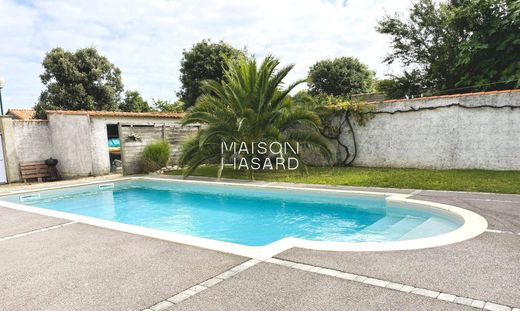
(99, 146)
(71, 141)
(10, 159)
(32, 140)
(485, 135)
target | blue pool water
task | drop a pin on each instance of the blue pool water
(243, 215)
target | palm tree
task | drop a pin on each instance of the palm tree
(249, 105)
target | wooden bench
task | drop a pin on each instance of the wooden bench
(37, 170)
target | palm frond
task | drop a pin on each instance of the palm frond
(250, 104)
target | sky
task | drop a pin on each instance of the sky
(145, 39)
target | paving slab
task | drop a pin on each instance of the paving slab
(14, 222)
(273, 287)
(502, 211)
(486, 267)
(82, 267)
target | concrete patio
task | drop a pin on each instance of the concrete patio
(55, 264)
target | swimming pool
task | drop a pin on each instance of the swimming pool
(245, 215)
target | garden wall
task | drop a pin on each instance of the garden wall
(70, 136)
(472, 131)
(134, 138)
(32, 140)
(79, 140)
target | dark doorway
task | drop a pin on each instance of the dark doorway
(114, 148)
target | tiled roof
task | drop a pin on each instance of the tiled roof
(453, 95)
(22, 114)
(175, 115)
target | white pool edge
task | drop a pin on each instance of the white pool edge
(473, 224)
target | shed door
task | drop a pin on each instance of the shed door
(3, 177)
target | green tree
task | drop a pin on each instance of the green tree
(249, 105)
(162, 105)
(389, 88)
(133, 102)
(408, 84)
(204, 61)
(340, 77)
(490, 52)
(80, 80)
(458, 44)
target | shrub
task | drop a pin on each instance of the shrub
(156, 155)
(341, 76)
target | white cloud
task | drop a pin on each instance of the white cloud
(146, 38)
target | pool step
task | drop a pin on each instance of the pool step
(402, 227)
(432, 226)
(380, 225)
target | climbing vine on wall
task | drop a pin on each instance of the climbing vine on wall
(337, 114)
(343, 110)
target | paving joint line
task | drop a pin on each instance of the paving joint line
(19, 235)
(501, 231)
(475, 303)
(202, 286)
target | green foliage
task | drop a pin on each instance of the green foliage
(204, 61)
(333, 105)
(390, 88)
(490, 52)
(133, 102)
(162, 105)
(80, 80)
(340, 77)
(421, 40)
(408, 84)
(156, 155)
(462, 44)
(327, 105)
(249, 105)
(304, 99)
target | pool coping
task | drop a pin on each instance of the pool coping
(473, 224)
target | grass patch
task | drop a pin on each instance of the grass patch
(455, 180)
